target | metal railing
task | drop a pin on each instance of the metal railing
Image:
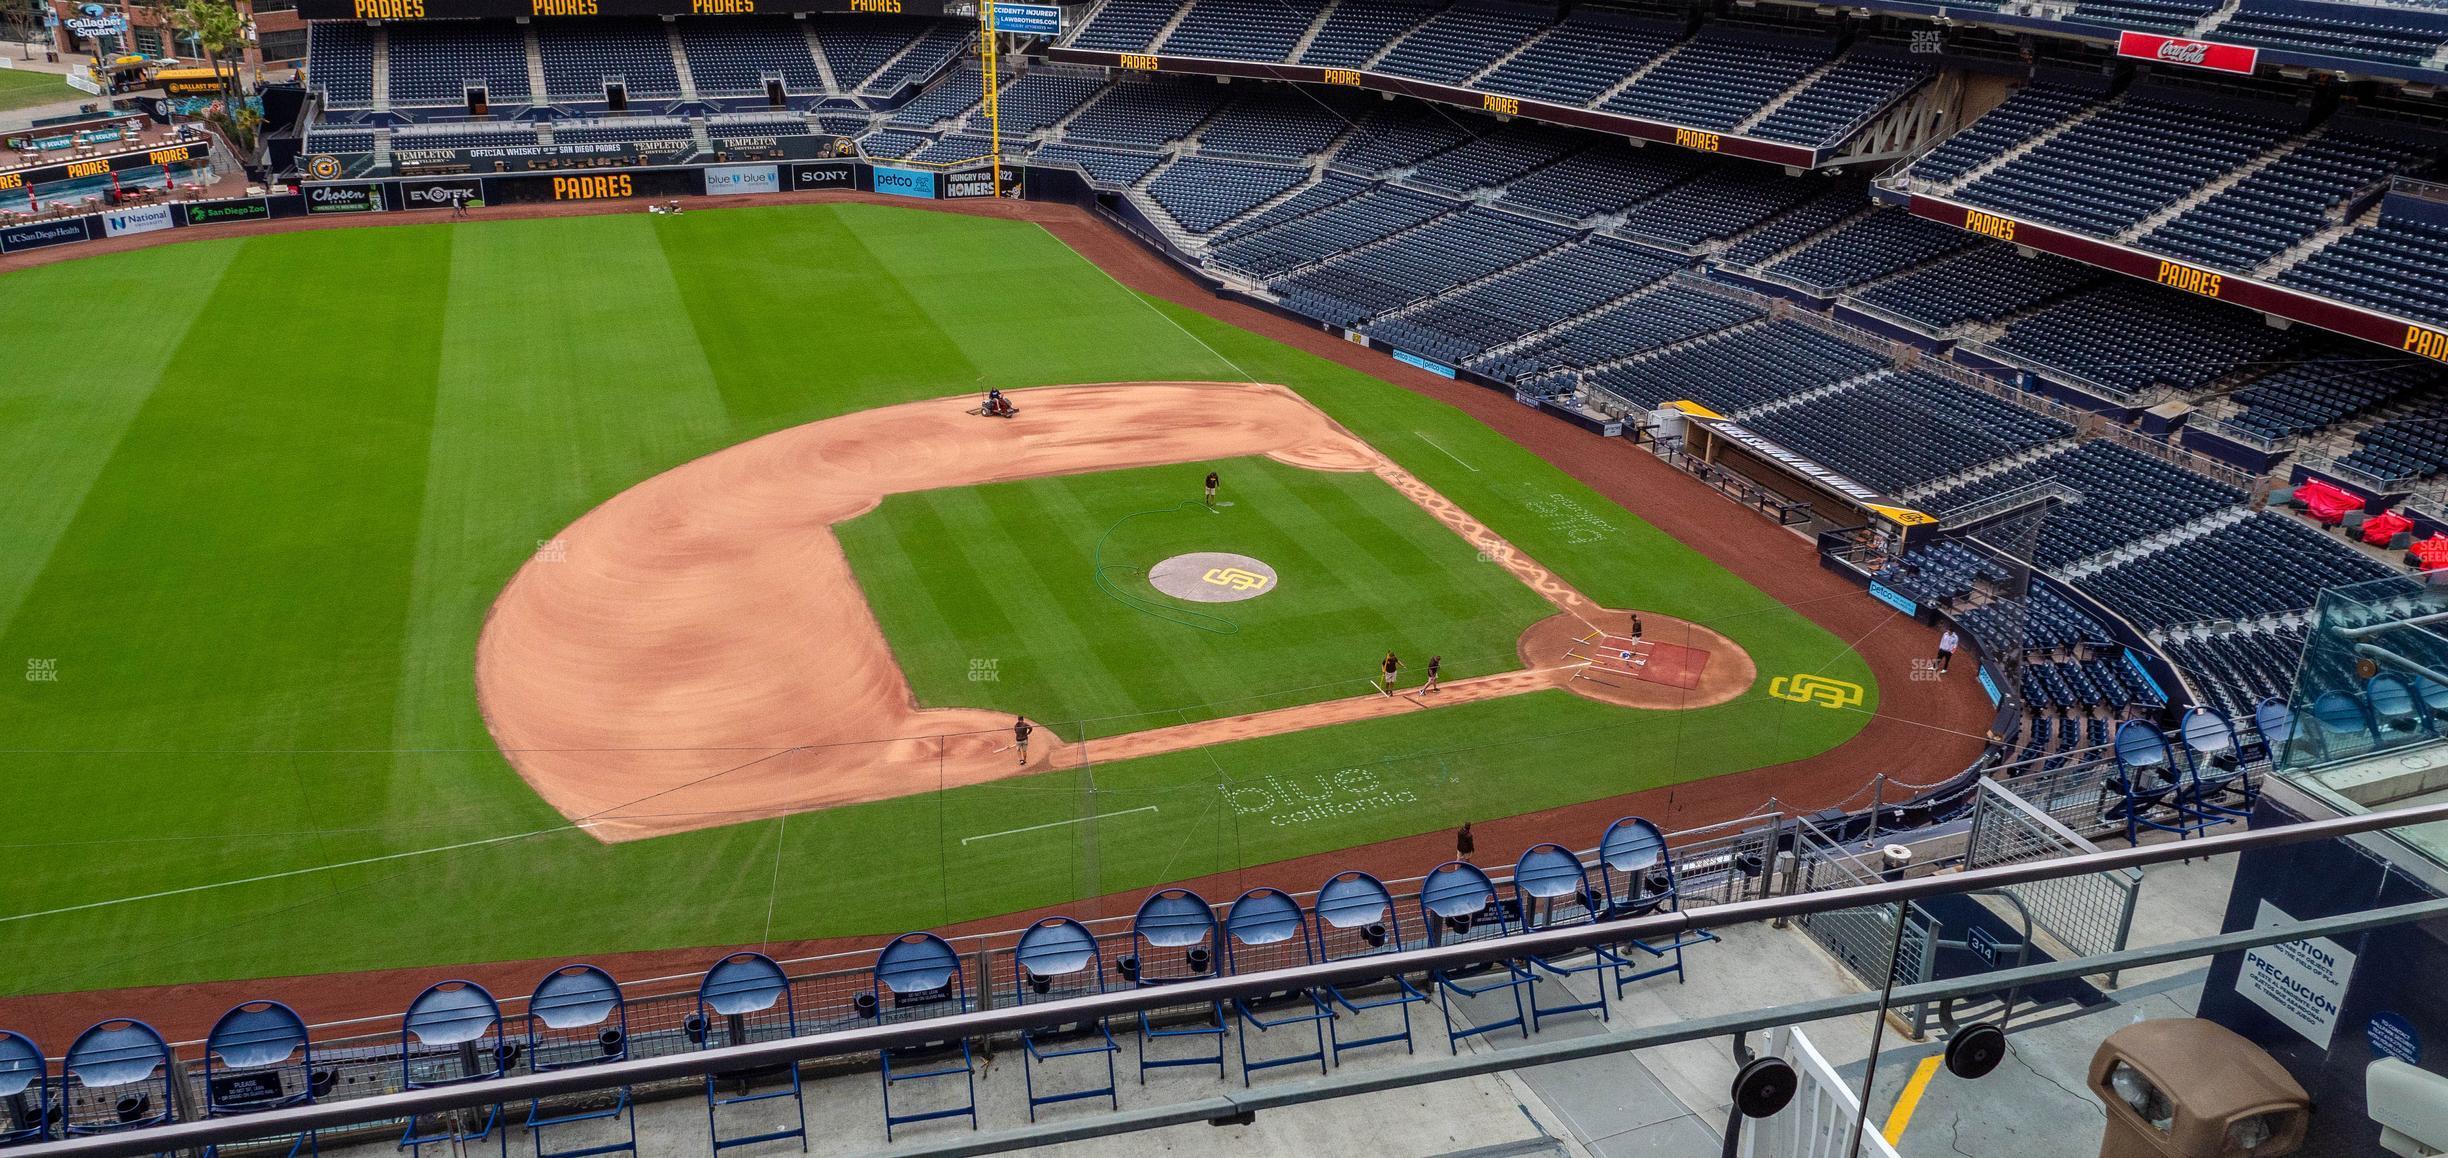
(2090, 915)
(1548, 943)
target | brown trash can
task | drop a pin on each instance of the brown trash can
(2188, 1088)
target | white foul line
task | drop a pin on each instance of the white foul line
(1445, 452)
(1057, 823)
(279, 875)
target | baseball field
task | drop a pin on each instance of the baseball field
(342, 570)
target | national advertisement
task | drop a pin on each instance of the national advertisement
(138, 219)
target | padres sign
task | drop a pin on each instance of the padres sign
(1212, 577)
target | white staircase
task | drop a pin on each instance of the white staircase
(2016, 153)
(2296, 254)
(2223, 183)
(539, 94)
(1507, 58)
(2085, 568)
(1634, 77)
(1995, 466)
(680, 64)
(1310, 37)
(1166, 32)
(382, 78)
(1813, 394)
(1794, 90)
(824, 64)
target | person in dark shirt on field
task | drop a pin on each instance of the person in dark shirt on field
(1464, 846)
(1390, 666)
(1434, 662)
(1211, 486)
(1020, 735)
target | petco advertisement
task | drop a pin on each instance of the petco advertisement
(142, 219)
(726, 180)
(904, 182)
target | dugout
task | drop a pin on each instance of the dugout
(1780, 483)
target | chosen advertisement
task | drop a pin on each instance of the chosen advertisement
(732, 180)
(904, 182)
(824, 175)
(140, 219)
(45, 234)
(438, 193)
(219, 212)
(344, 199)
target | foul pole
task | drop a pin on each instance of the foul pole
(988, 82)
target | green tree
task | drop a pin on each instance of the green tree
(218, 27)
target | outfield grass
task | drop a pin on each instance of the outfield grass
(999, 581)
(258, 535)
(20, 89)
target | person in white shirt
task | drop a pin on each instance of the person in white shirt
(1947, 643)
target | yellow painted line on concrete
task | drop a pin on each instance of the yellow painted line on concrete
(1910, 1099)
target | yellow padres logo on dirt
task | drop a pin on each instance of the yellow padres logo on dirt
(1237, 578)
(1810, 689)
(1212, 577)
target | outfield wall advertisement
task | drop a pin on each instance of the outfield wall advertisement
(139, 219)
(432, 192)
(903, 182)
(734, 180)
(45, 234)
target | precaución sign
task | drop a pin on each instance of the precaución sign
(2301, 983)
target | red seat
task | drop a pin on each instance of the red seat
(2380, 528)
(2326, 502)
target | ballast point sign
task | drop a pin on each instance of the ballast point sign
(2192, 53)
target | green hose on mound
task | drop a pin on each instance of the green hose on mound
(1187, 617)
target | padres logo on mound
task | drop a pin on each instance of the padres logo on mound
(1212, 577)
(322, 167)
(1237, 578)
(1816, 689)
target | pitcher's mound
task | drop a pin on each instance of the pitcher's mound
(1212, 577)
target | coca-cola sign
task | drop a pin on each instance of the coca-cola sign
(2191, 53)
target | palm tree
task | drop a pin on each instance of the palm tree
(219, 30)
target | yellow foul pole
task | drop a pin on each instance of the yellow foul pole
(989, 82)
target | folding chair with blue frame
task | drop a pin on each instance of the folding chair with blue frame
(1266, 929)
(749, 997)
(26, 1108)
(116, 1077)
(2216, 762)
(2274, 726)
(2397, 714)
(2340, 727)
(578, 1018)
(2434, 697)
(450, 1036)
(1058, 958)
(1551, 891)
(1458, 903)
(1641, 880)
(2147, 782)
(918, 977)
(257, 1058)
(1180, 922)
(1355, 917)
